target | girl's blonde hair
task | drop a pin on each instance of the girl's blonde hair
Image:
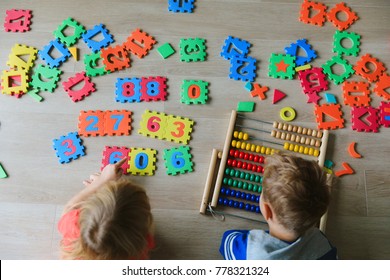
(115, 223)
(297, 190)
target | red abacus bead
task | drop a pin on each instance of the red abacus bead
(229, 162)
(236, 154)
(234, 163)
(239, 164)
(256, 158)
(250, 157)
(243, 165)
(249, 167)
(254, 168)
(241, 155)
(259, 169)
(246, 156)
(261, 159)
(231, 152)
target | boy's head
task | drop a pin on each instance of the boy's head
(115, 222)
(297, 191)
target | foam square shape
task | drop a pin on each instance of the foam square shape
(235, 47)
(142, 161)
(178, 160)
(154, 89)
(112, 155)
(22, 57)
(128, 90)
(117, 122)
(178, 129)
(340, 49)
(356, 93)
(181, 6)
(139, 43)
(382, 86)
(97, 30)
(365, 119)
(334, 16)
(281, 66)
(68, 147)
(369, 67)
(194, 92)
(192, 49)
(91, 123)
(302, 44)
(329, 116)
(77, 31)
(45, 53)
(313, 13)
(384, 114)
(45, 78)
(166, 50)
(92, 62)
(76, 81)
(14, 82)
(17, 20)
(313, 80)
(245, 106)
(338, 78)
(153, 124)
(115, 58)
(243, 68)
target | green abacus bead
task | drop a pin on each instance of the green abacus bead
(239, 185)
(254, 188)
(225, 180)
(257, 178)
(235, 182)
(230, 181)
(242, 175)
(245, 185)
(250, 186)
(237, 174)
(227, 171)
(252, 177)
(247, 176)
(260, 189)
(232, 171)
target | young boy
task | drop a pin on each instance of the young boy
(295, 195)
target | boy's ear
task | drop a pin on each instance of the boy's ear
(267, 211)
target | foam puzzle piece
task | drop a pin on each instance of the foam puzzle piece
(178, 129)
(142, 161)
(281, 66)
(115, 58)
(384, 114)
(303, 67)
(352, 150)
(370, 68)
(328, 164)
(91, 62)
(33, 93)
(128, 90)
(278, 95)
(45, 53)
(234, 47)
(17, 20)
(333, 114)
(139, 43)
(3, 173)
(287, 114)
(166, 50)
(313, 80)
(365, 119)
(248, 86)
(74, 52)
(382, 85)
(334, 16)
(181, 6)
(14, 82)
(243, 68)
(246, 106)
(22, 57)
(178, 160)
(302, 44)
(340, 49)
(68, 147)
(259, 91)
(91, 123)
(45, 78)
(192, 49)
(96, 31)
(313, 13)
(112, 155)
(194, 92)
(153, 124)
(154, 89)
(337, 60)
(76, 81)
(330, 98)
(356, 93)
(347, 170)
(77, 31)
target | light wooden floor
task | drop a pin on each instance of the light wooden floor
(31, 199)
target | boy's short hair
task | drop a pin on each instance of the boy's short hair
(297, 190)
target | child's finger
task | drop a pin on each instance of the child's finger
(121, 162)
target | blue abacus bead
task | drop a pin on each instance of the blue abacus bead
(247, 207)
(258, 209)
(223, 190)
(253, 208)
(230, 203)
(238, 194)
(257, 198)
(248, 196)
(253, 197)
(220, 200)
(225, 201)
(243, 195)
(227, 192)
(241, 205)
(236, 204)
(232, 193)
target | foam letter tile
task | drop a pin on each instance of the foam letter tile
(153, 124)
(365, 119)
(97, 30)
(329, 116)
(45, 78)
(46, 53)
(17, 58)
(142, 161)
(139, 43)
(243, 68)
(302, 44)
(313, 13)
(68, 147)
(384, 114)
(154, 89)
(192, 49)
(382, 85)
(72, 82)
(282, 66)
(235, 47)
(178, 129)
(93, 67)
(112, 155)
(117, 122)
(372, 73)
(338, 40)
(17, 20)
(356, 93)
(115, 58)
(337, 60)
(194, 92)
(178, 160)
(128, 90)
(91, 123)
(77, 31)
(14, 82)
(334, 16)
(181, 6)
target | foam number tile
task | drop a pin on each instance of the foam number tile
(17, 20)
(139, 43)
(93, 67)
(75, 81)
(115, 58)
(153, 124)
(243, 68)
(153, 89)
(46, 53)
(235, 47)
(128, 90)
(192, 49)
(68, 147)
(112, 155)
(356, 93)
(178, 129)
(117, 122)
(22, 57)
(45, 78)
(97, 31)
(91, 123)
(77, 31)
(14, 82)
(181, 6)
(142, 161)
(194, 92)
(370, 68)
(178, 160)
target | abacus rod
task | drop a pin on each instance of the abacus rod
(257, 129)
(259, 139)
(236, 216)
(251, 119)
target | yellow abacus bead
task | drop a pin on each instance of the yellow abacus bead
(296, 148)
(291, 148)
(301, 149)
(285, 146)
(235, 134)
(262, 150)
(306, 150)
(253, 148)
(311, 151)
(234, 143)
(268, 151)
(316, 153)
(258, 148)
(247, 146)
(246, 136)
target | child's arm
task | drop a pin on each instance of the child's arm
(110, 172)
(234, 244)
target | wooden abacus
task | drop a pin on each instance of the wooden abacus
(238, 154)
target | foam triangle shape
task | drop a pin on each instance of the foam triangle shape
(278, 95)
(74, 52)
